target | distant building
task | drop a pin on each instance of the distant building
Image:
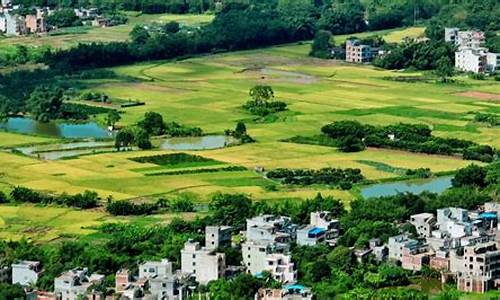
(26, 272)
(151, 269)
(169, 287)
(270, 229)
(289, 292)
(424, 223)
(451, 34)
(14, 24)
(202, 263)
(492, 62)
(471, 60)
(218, 236)
(478, 269)
(322, 228)
(74, 284)
(357, 52)
(259, 257)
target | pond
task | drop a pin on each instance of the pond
(60, 130)
(58, 151)
(197, 143)
(434, 185)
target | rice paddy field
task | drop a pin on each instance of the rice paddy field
(209, 91)
(68, 37)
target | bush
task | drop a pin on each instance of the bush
(125, 208)
(3, 198)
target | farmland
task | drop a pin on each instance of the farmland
(67, 37)
(208, 92)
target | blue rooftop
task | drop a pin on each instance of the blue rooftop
(316, 231)
(295, 287)
(488, 215)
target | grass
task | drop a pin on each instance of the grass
(68, 37)
(8, 139)
(209, 91)
(42, 224)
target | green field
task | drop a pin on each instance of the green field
(68, 37)
(43, 224)
(209, 91)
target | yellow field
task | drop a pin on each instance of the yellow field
(11, 139)
(49, 223)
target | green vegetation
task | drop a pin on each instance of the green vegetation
(343, 177)
(176, 160)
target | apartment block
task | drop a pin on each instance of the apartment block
(258, 257)
(204, 264)
(357, 52)
(471, 60)
(478, 269)
(26, 272)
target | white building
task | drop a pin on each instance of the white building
(218, 236)
(471, 60)
(270, 229)
(74, 284)
(26, 272)
(492, 61)
(151, 269)
(259, 257)
(398, 243)
(169, 287)
(204, 264)
(424, 223)
(451, 34)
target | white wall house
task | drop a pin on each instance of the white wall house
(26, 272)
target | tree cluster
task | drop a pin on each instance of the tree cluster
(354, 136)
(240, 133)
(85, 200)
(332, 176)
(262, 102)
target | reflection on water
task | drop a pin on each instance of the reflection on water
(60, 130)
(435, 185)
(197, 143)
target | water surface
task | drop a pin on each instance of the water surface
(434, 185)
(55, 129)
(197, 143)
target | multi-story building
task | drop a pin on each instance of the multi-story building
(151, 269)
(14, 24)
(36, 23)
(424, 223)
(311, 235)
(492, 61)
(203, 264)
(322, 228)
(270, 229)
(396, 245)
(26, 272)
(451, 34)
(471, 60)
(218, 236)
(357, 53)
(478, 269)
(74, 284)
(259, 257)
(3, 23)
(169, 287)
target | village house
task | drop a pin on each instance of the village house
(26, 272)
(74, 284)
(356, 52)
(202, 263)
(289, 292)
(218, 236)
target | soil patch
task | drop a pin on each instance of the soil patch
(480, 95)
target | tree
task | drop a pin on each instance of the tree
(141, 139)
(152, 123)
(342, 129)
(45, 103)
(351, 144)
(472, 175)
(65, 17)
(3, 198)
(232, 210)
(321, 46)
(261, 93)
(171, 27)
(123, 139)
(240, 129)
(444, 68)
(139, 35)
(112, 118)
